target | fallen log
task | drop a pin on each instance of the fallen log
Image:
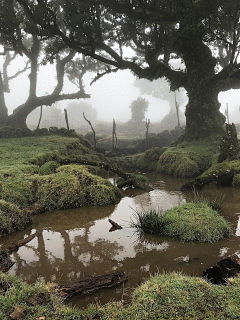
(91, 284)
(16, 245)
(223, 270)
(114, 224)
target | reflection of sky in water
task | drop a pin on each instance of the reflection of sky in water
(77, 243)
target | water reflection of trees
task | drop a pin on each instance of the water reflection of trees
(81, 257)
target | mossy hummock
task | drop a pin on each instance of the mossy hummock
(189, 222)
(31, 172)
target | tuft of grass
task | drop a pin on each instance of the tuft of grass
(217, 203)
(148, 221)
(189, 222)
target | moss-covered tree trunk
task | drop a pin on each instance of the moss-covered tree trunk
(203, 117)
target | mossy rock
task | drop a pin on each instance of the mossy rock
(12, 219)
(48, 168)
(189, 222)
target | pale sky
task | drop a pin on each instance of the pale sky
(111, 96)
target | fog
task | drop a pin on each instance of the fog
(111, 96)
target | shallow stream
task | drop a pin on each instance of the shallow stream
(74, 244)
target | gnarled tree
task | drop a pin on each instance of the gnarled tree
(158, 32)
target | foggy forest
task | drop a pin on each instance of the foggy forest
(119, 159)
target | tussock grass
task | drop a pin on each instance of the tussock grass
(189, 222)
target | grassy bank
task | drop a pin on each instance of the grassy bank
(189, 222)
(188, 159)
(31, 172)
(167, 296)
(225, 173)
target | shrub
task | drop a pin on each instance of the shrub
(189, 222)
(12, 218)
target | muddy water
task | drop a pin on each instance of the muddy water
(73, 244)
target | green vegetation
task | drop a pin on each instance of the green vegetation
(167, 296)
(149, 159)
(73, 186)
(189, 159)
(236, 180)
(31, 171)
(12, 218)
(225, 173)
(185, 160)
(48, 168)
(189, 222)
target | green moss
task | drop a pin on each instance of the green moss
(101, 195)
(12, 218)
(23, 182)
(48, 168)
(222, 173)
(72, 186)
(168, 296)
(149, 159)
(188, 159)
(189, 222)
(178, 165)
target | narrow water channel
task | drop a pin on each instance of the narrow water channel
(74, 244)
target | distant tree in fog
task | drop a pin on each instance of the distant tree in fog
(138, 109)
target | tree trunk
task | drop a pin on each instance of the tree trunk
(20, 114)
(203, 117)
(3, 108)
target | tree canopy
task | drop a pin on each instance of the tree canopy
(203, 34)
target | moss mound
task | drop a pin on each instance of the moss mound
(12, 218)
(149, 159)
(225, 173)
(31, 171)
(187, 159)
(164, 297)
(189, 222)
(48, 168)
(73, 186)
(178, 165)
